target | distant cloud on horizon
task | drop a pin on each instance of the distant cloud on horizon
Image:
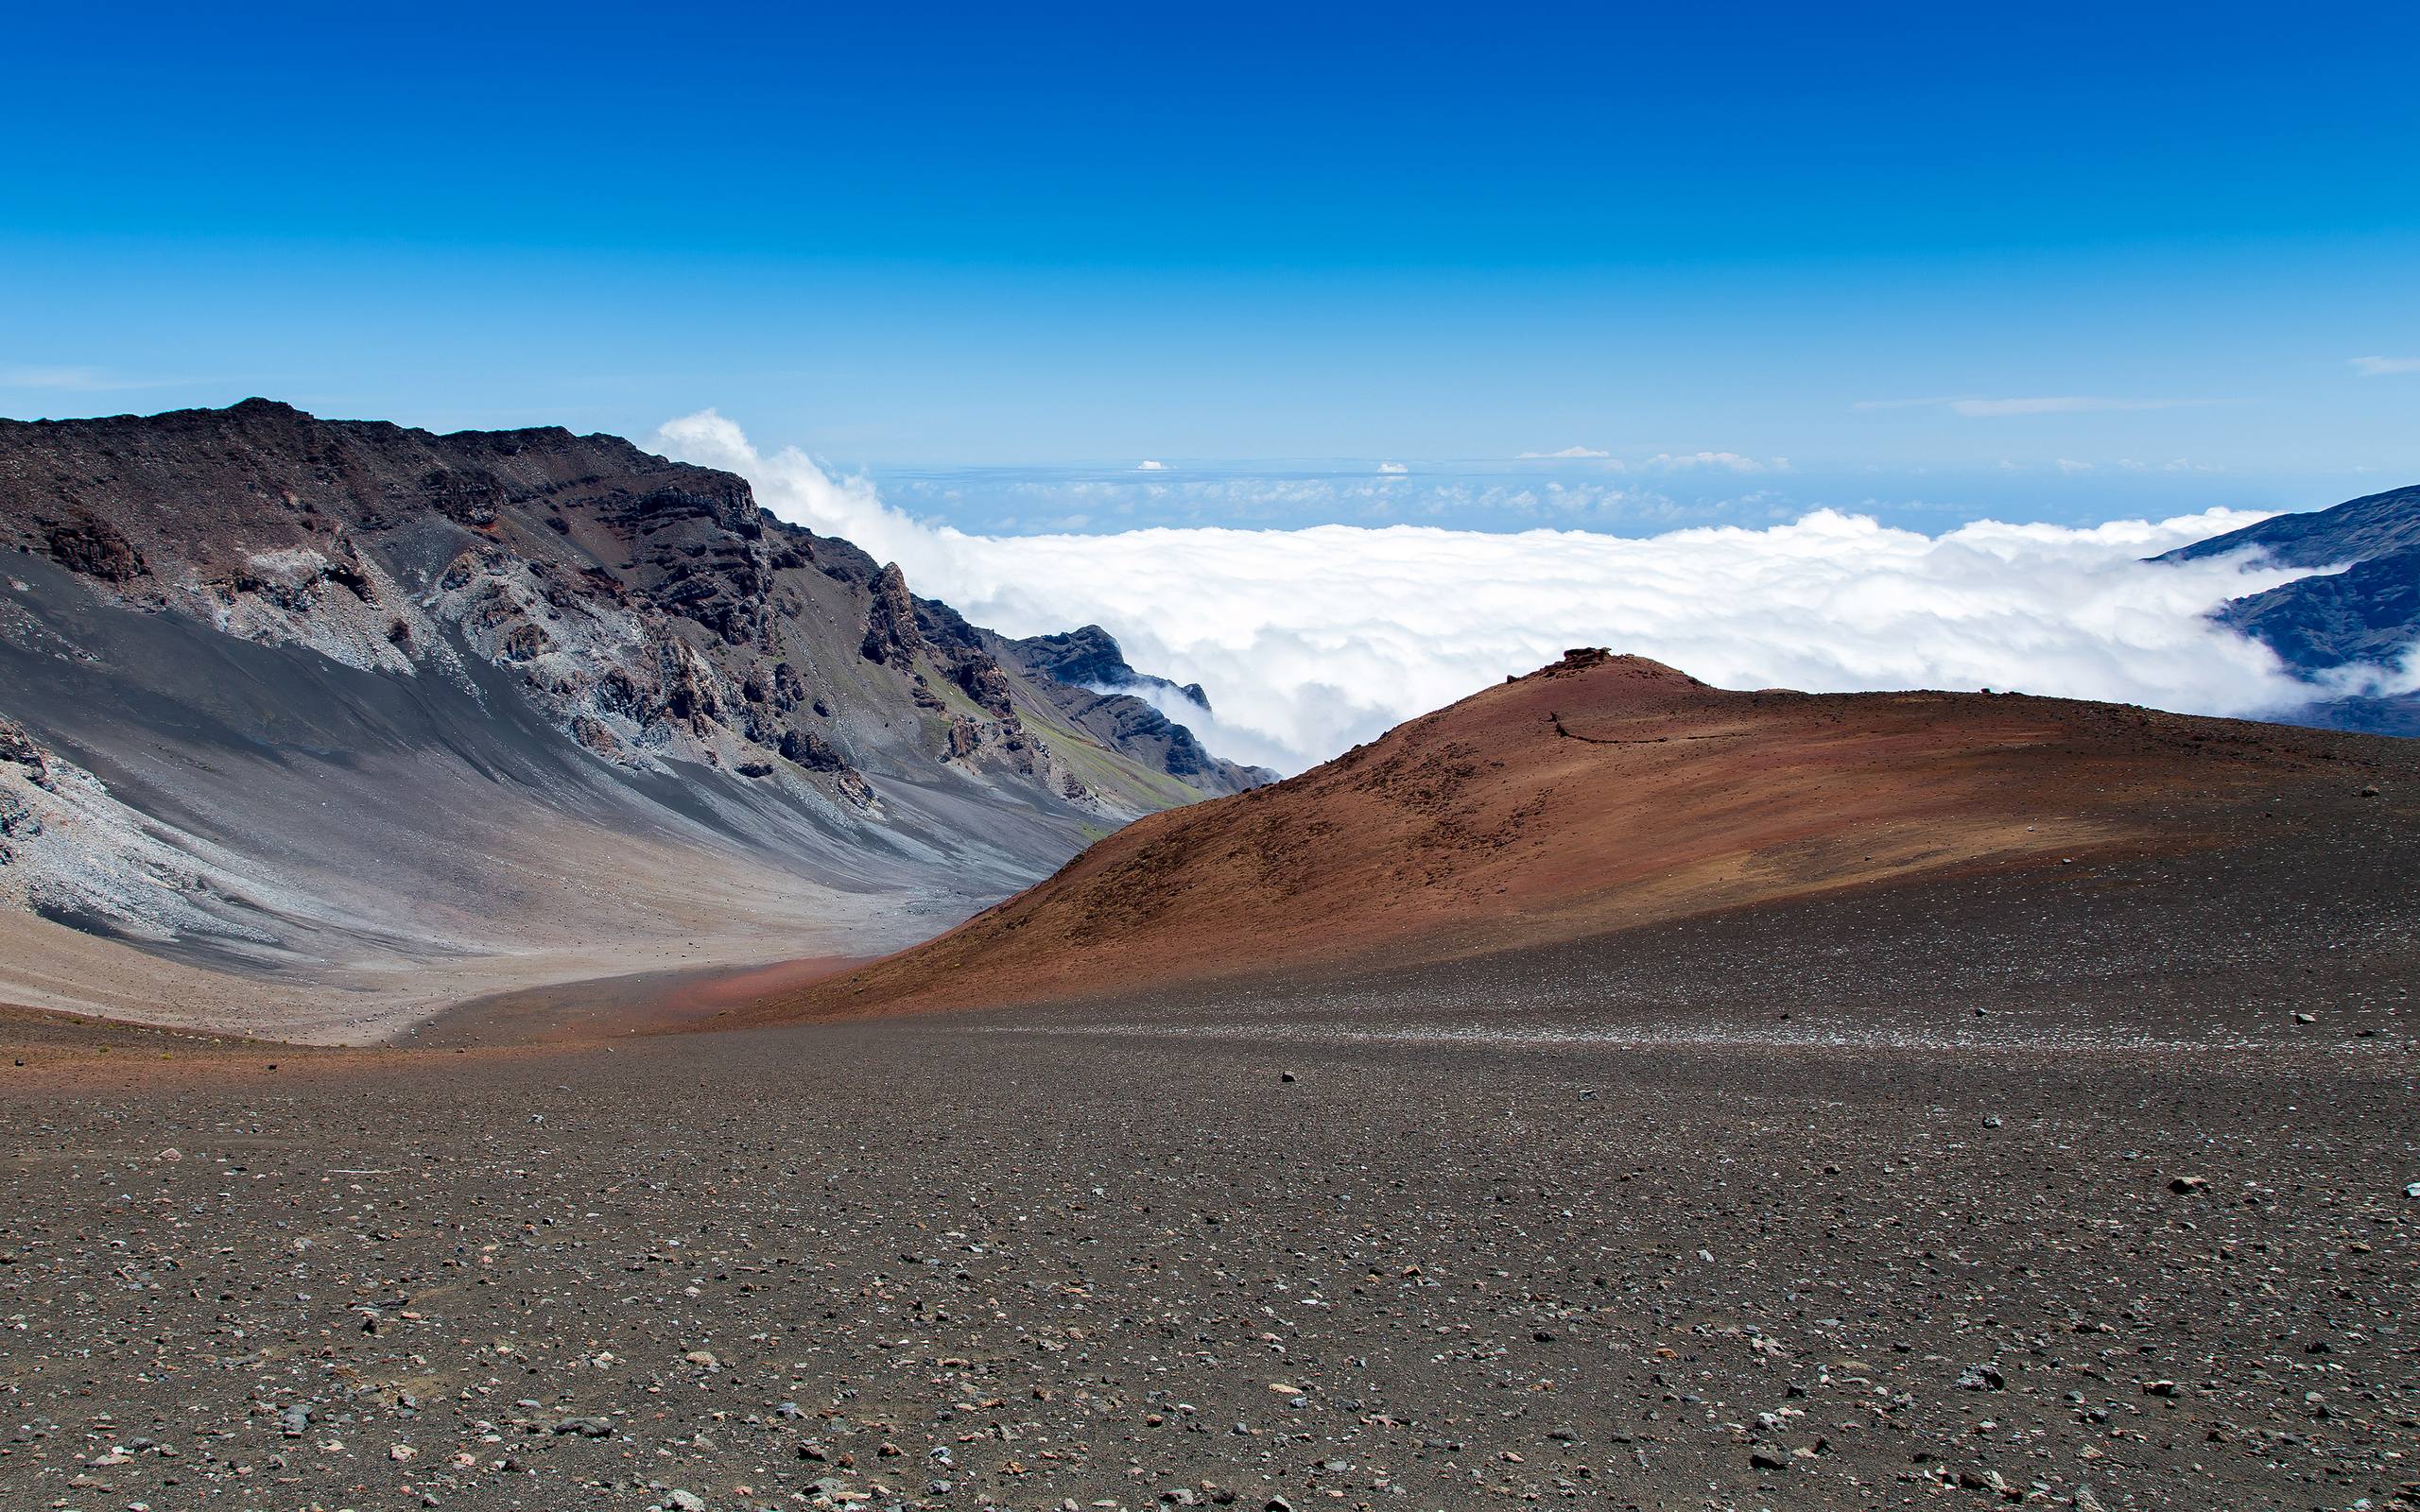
(2128, 464)
(1976, 408)
(2383, 366)
(1312, 639)
(1725, 461)
(1569, 454)
(78, 380)
(1146, 465)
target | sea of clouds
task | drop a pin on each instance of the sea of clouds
(1312, 640)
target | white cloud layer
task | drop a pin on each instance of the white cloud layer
(1567, 453)
(1310, 641)
(2384, 366)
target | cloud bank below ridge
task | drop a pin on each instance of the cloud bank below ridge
(1312, 640)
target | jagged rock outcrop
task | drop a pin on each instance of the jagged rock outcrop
(890, 622)
(965, 738)
(23, 763)
(811, 751)
(982, 680)
(18, 749)
(95, 547)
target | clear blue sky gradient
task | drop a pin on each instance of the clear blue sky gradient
(938, 238)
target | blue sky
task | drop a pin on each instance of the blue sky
(1929, 262)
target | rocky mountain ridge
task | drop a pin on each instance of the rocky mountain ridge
(1090, 658)
(264, 638)
(1087, 677)
(649, 606)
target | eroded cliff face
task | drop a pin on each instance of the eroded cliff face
(650, 607)
(602, 637)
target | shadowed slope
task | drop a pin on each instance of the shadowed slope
(2330, 623)
(1596, 795)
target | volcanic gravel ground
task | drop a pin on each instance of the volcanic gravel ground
(1597, 1226)
(924, 1267)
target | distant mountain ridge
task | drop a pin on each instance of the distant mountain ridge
(2371, 526)
(1090, 658)
(2369, 613)
(248, 648)
(1086, 675)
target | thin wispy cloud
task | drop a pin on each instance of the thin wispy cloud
(1312, 639)
(1722, 461)
(1569, 454)
(2123, 464)
(78, 380)
(1981, 408)
(1394, 469)
(2384, 366)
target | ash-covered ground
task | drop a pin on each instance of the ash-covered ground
(1599, 1228)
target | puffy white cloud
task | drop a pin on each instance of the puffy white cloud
(1394, 469)
(1146, 465)
(2383, 367)
(1312, 640)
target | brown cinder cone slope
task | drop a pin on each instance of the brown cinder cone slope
(1600, 794)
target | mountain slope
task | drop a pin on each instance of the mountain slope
(1086, 675)
(2367, 526)
(2368, 613)
(1597, 795)
(2367, 616)
(332, 705)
